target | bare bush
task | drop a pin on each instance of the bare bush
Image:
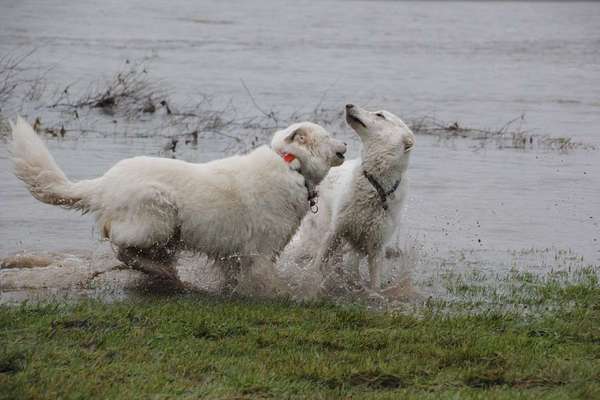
(202, 116)
(8, 76)
(272, 119)
(129, 93)
(133, 94)
(510, 135)
(12, 75)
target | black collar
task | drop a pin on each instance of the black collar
(312, 197)
(312, 193)
(383, 195)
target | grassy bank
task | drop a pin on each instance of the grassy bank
(201, 347)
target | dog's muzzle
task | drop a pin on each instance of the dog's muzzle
(351, 116)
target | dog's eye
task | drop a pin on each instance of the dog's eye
(379, 114)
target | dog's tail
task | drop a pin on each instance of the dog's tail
(35, 166)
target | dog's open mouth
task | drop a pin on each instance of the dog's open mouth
(340, 155)
(351, 118)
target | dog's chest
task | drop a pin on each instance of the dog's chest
(364, 222)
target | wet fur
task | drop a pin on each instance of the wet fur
(242, 209)
(351, 212)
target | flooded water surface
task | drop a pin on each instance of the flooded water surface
(472, 203)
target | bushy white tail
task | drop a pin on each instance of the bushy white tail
(35, 166)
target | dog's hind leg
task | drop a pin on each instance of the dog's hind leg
(330, 248)
(154, 262)
(145, 232)
(329, 263)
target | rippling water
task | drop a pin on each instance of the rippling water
(482, 63)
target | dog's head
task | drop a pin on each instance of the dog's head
(312, 146)
(381, 132)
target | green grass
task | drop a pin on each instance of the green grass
(210, 348)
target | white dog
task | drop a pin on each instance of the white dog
(360, 202)
(243, 208)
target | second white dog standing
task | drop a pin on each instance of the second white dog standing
(360, 202)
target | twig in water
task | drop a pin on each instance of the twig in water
(270, 115)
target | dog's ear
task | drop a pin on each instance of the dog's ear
(409, 142)
(299, 135)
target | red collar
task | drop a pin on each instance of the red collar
(288, 157)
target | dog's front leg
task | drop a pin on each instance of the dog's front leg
(353, 265)
(374, 271)
(257, 276)
(229, 267)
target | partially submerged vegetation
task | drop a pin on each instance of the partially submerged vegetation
(128, 93)
(133, 97)
(511, 135)
(520, 291)
(215, 348)
(11, 75)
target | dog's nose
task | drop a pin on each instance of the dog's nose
(349, 106)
